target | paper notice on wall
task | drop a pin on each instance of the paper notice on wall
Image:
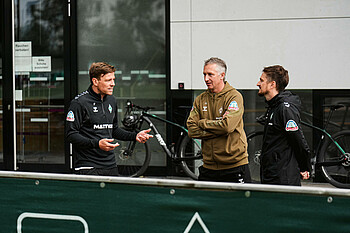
(23, 49)
(41, 64)
(23, 64)
(18, 95)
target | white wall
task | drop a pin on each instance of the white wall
(311, 39)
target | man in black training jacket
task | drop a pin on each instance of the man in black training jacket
(92, 125)
(285, 153)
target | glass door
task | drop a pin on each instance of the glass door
(1, 55)
(129, 34)
(39, 83)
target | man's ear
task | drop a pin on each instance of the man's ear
(94, 81)
(273, 85)
(222, 75)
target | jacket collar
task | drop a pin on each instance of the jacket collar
(94, 94)
(274, 100)
(227, 88)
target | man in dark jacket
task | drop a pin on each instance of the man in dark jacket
(285, 153)
(92, 125)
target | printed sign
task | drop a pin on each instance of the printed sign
(23, 49)
(41, 64)
(23, 64)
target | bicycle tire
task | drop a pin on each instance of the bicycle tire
(135, 164)
(254, 141)
(338, 175)
(190, 147)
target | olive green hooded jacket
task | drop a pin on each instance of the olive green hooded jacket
(217, 119)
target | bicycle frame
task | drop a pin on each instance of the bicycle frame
(324, 132)
(144, 116)
(332, 161)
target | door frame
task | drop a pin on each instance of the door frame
(9, 123)
(70, 86)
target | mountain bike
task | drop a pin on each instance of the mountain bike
(134, 158)
(332, 155)
(255, 140)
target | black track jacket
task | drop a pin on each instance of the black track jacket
(90, 119)
(285, 151)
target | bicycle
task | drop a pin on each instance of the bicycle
(331, 155)
(254, 140)
(134, 158)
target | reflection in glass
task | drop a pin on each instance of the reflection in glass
(129, 34)
(341, 118)
(39, 81)
(1, 116)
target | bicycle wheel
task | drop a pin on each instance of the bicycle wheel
(190, 147)
(337, 175)
(133, 163)
(255, 141)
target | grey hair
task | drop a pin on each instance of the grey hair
(221, 65)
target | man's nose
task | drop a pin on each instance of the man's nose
(206, 77)
(258, 84)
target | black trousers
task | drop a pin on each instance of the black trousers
(240, 174)
(99, 171)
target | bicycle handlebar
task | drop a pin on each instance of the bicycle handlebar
(130, 106)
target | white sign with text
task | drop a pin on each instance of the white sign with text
(23, 49)
(41, 64)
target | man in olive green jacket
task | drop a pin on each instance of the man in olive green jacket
(216, 118)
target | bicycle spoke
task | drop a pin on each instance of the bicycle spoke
(339, 174)
(254, 151)
(132, 164)
(191, 148)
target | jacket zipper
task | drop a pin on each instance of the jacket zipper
(212, 143)
(104, 114)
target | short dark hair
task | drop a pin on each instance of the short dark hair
(99, 68)
(278, 74)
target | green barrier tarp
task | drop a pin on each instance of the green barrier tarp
(50, 206)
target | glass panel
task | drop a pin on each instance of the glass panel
(1, 116)
(39, 81)
(129, 34)
(255, 106)
(340, 120)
